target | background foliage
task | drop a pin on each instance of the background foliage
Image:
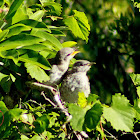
(106, 32)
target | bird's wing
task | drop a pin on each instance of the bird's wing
(55, 74)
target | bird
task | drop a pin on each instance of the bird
(76, 81)
(60, 64)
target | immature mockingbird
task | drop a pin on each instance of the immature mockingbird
(76, 81)
(60, 64)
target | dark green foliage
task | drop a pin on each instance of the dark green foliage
(31, 33)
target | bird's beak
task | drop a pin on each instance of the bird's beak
(75, 52)
(92, 63)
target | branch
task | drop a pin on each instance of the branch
(55, 92)
(42, 87)
(135, 134)
(111, 136)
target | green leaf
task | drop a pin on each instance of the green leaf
(5, 117)
(92, 117)
(2, 76)
(57, 32)
(13, 8)
(135, 78)
(16, 29)
(36, 72)
(19, 41)
(5, 82)
(34, 58)
(82, 101)
(40, 47)
(44, 1)
(27, 117)
(35, 24)
(23, 137)
(81, 17)
(137, 108)
(138, 91)
(16, 112)
(78, 115)
(78, 24)
(21, 14)
(120, 114)
(37, 15)
(10, 54)
(1, 3)
(92, 98)
(49, 37)
(53, 117)
(42, 123)
(36, 137)
(69, 44)
(56, 8)
(3, 34)
(12, 77)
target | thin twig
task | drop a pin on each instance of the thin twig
(102, 129)
(135, 134)
(47, 99)
(55, 92)
(54, 17)
(112, 136)
(41, 87)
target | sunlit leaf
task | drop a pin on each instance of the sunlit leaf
(82, 101)
(78, 115)
(81, 17)
(23, 137)
(55, 7)
(78, 24)
(69, 44)
(10, 54)
(16, 112)
(21, 14)
(3, 34)
(47, 36)
(38, 47)
(37, 15)
(136, 80)
(13, 8)
(18, 41)
(120, 114)
(36, 72)
(16, 29)
(26, 117)
(34, 58)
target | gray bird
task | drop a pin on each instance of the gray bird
(76, 81)
(60, 64)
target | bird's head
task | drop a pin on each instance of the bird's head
(66, 54)
(82, 65)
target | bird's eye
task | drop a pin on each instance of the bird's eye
(87, 64)
(68, 54)
(79, 64)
